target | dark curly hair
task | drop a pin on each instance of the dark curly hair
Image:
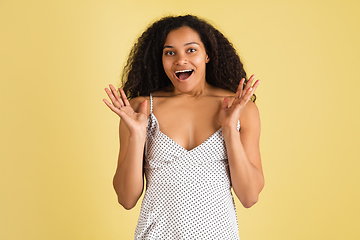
(144, 72)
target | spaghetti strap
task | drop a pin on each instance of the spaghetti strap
(151, 103)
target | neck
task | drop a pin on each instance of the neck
(199, 91)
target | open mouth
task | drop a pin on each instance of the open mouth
(183, 74)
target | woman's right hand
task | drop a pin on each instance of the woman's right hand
(134, 121)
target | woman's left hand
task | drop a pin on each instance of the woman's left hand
(229, 115)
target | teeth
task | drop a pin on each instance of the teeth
(188, 70)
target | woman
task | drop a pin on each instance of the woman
(190, 126)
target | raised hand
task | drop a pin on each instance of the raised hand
(229, 115)
(135, 121)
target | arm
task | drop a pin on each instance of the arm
(244, 156)
(243, 147)
(128, 180)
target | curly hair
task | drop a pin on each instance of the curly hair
(144, 72)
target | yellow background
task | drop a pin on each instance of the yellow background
(59, 142)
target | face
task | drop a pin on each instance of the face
(184, 59)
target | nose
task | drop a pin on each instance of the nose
(181, 59)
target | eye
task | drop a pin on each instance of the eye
(169, 53)
(191, 50)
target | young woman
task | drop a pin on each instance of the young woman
(191, 127)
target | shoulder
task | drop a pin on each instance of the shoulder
(250, 116)
(251, 108)
(220, 92)
(136, 102)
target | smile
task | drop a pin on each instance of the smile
(183, 75)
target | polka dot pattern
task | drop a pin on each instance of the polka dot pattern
(188, 193)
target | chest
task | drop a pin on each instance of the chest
(189, 122)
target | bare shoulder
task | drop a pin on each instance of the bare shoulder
(250, 116)
(136, 102)
(219, 92)
(250, 108)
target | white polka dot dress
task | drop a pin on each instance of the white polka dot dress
(187, 192)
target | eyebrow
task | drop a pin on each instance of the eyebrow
(168, 46)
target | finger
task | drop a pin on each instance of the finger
(112, 107)
(115, 93)
(114, 101)
(250, 92)
(124, 97)
(225, 103)
(240, 88)
(111, 95)
(143, 107)
(248, 84)
(254, 87)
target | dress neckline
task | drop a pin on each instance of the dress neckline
(171, 140)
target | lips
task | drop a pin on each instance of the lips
(183, 75)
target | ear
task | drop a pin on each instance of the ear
(207, 59)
